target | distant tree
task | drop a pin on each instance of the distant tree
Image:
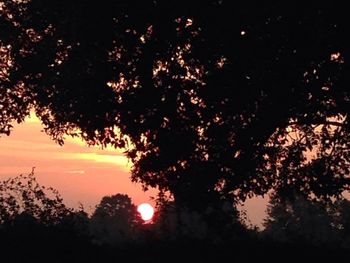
(342, 221)
(175, 224)
(213, 101)
(23, 199)
(35, 221)
(28, 207)
(301, 220)
(115, 220)
(215, 225)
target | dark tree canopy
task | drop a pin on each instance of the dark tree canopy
(303, 221)
(211, 99)
(115, 220)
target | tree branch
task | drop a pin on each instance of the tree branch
(334, 123)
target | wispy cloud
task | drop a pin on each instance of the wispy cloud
(112, 159)
(76, 172)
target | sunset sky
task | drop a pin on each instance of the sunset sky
(80, 173)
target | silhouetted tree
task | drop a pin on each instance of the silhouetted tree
(23, 199)
(35, 224)
(301, 221)
(216, 225)
(213, 101)
(115, 220)
(342, 221)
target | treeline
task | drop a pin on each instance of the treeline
(36, 224)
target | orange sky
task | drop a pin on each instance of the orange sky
(80, 173)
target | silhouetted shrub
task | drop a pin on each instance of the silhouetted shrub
(22, 197)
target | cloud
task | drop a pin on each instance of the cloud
(76, 172)
(112, 159)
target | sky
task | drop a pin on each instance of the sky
(82, 174)
(79, 172)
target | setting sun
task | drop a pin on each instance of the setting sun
(146, 211)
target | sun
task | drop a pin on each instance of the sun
(146, 211)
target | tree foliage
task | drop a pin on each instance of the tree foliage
(22, 197)
(301, 220)
(115, 220)
(212, 100)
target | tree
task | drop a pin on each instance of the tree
(301, 220)
(22, 199)
(216, 225)
(341, 221)
(35, 221)
(26, 207)
(115, 220)
(310, 221)
(212, 101)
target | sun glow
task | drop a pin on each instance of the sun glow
(146, 211)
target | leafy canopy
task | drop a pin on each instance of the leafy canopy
(210, 99)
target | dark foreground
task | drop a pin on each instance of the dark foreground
(16, 248)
